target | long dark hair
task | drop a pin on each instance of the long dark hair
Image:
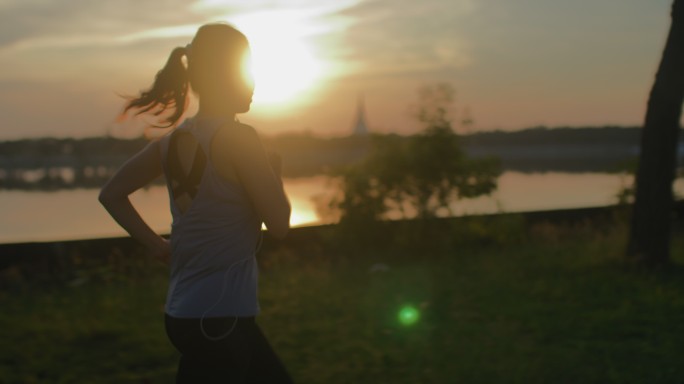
(212, 44)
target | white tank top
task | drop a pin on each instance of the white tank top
(213, 266)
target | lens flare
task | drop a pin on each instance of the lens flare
(408, 315)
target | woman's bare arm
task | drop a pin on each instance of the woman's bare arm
(260, 175)
(137, 172)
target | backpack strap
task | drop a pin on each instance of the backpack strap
(185, 183)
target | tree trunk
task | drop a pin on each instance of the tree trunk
(651, 218)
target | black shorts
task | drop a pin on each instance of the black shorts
(244, 356)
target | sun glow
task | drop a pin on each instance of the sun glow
(284, 63)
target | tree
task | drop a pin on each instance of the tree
(415, 177)
(649, 239)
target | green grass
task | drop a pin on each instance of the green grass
(558, 306)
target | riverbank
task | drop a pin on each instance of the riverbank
(11, 253)
(47, 260)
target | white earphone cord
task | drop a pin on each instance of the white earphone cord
(223, 292)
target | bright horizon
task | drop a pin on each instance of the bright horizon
(514, 64)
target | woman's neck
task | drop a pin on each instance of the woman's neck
(215, 110)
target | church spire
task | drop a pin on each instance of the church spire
(360, 128)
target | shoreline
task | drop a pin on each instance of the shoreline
(308, 232)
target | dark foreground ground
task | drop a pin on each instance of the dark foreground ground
(505, 299)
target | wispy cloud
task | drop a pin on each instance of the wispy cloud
(382, 36)
(27, 25)
(406, 36)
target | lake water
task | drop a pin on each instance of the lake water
(76, 214)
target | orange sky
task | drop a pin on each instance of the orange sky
(514, 63)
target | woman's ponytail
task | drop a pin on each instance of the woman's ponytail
(169, 90)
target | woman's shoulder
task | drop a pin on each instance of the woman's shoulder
(243, 129)
(241, 135)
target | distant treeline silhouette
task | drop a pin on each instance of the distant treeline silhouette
(55, 163)
(545, 136)
(567, 149)
(62, 163)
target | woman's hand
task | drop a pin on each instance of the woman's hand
(161, 250)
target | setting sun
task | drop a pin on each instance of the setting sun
(283, 63)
